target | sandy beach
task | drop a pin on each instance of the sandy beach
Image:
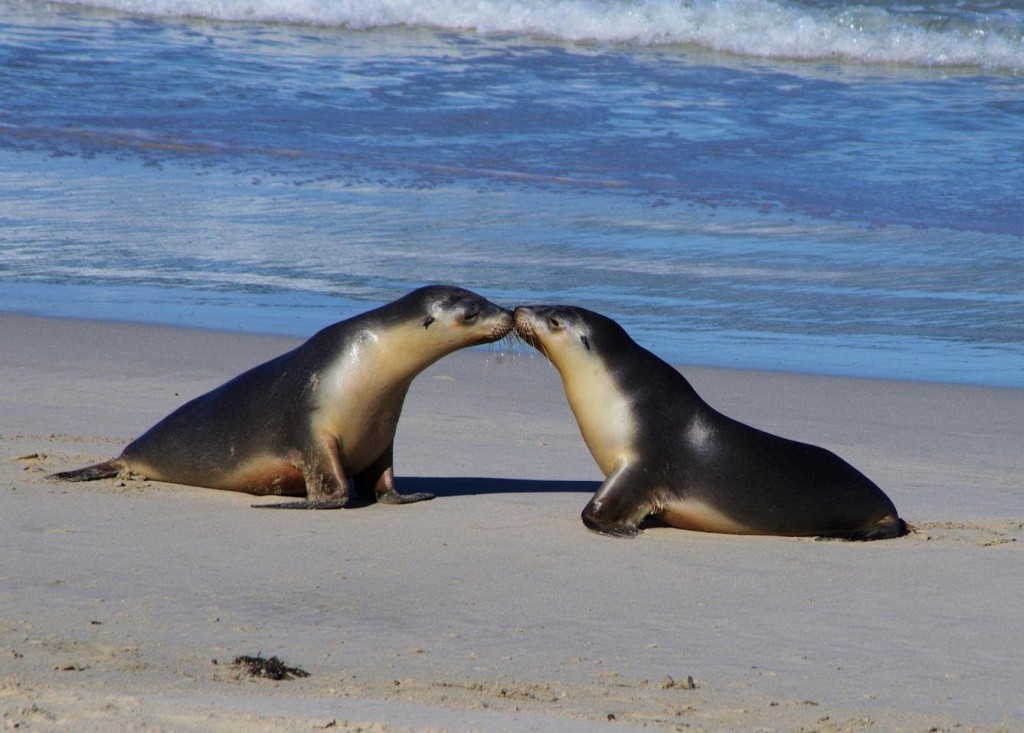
(491, 608)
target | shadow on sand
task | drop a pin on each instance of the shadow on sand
(473, 486)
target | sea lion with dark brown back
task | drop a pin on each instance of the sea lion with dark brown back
(666, 452)
(317, 417)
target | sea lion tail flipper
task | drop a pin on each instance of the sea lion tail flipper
(107, 469)
(614, 510)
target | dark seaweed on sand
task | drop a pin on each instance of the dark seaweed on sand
(272, 668)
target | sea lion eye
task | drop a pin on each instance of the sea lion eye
(586, 342)
(554, 323)
(471, 316)
(427, 321)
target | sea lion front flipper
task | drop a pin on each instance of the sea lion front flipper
(377, 482)
(339, 502)
(618, 507)
(323, 491)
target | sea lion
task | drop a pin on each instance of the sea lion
(666, 452)
(318, 416)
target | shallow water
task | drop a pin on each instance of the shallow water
(853, 212)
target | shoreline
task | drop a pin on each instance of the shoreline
(491, 607)
(286, 335)
(301, 314)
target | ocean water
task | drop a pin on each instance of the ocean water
(805, 185)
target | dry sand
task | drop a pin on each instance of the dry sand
(491, 608)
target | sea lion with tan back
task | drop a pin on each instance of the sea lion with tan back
(666, 452)
(310, 421)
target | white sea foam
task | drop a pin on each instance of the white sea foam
(953, 35)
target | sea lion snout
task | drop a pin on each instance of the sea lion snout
(504, 323)
(502, 328)
(532, 321)
(523, 319)
(479, 319)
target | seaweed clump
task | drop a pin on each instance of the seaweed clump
(272, 668)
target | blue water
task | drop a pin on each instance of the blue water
(811, 186)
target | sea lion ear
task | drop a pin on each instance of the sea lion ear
(427, 321)
(586, 342)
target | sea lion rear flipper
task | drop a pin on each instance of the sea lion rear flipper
(107, 469)
(886, 528)
(394, 497)
(615, 509)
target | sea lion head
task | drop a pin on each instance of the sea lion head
(455, 317)
(567, 335)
